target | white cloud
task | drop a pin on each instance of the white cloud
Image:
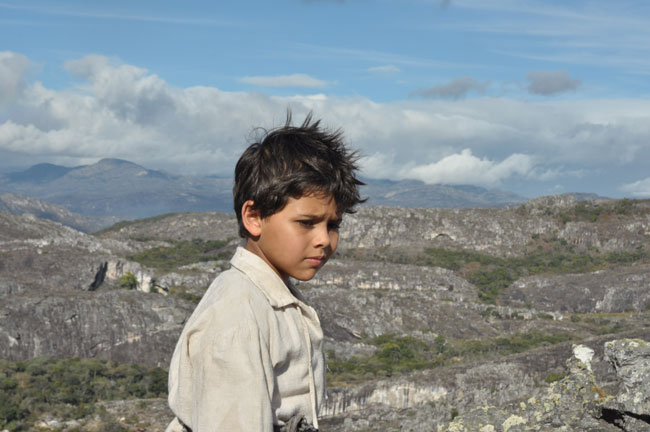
(293, 80)
(384, 69)
(127, 112)
(454, 89)
(377, 163)
(465, 168)
(552, 82)
(13, 68)
(638, 189)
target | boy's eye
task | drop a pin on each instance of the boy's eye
(306, 223)
(334, 225)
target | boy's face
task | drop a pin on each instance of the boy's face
(299, 239)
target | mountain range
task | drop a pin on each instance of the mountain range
(124, 190)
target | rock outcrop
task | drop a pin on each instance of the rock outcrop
(120, 325)
(611, 291)
(630, 408)
(59, 297)
(577, 402)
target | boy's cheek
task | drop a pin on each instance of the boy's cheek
(334, 242)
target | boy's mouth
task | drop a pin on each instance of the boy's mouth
(316, 261)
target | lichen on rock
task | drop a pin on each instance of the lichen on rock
(577, 402)
(631, 407)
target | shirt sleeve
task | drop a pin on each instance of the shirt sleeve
(231, 372)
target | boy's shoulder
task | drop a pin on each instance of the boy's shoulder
(232, 287)
(231, 301)
(249, 280)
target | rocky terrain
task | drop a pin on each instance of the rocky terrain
(51, 304)
(578, 402)
(428, 314)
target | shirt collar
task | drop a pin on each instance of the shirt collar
(267, 280)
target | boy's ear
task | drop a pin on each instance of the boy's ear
(251, 219)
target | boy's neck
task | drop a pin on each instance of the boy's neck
(253, 248)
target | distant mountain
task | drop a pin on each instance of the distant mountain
(114, 187)
(585, 196)
(414, 193)
(22, 204)
(119, 188)
(39, 174)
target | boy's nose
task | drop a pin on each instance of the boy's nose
(322, 238)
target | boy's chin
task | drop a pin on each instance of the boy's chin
(304, 277)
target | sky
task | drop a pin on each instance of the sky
(532, 97)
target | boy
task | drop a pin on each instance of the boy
(250, 357)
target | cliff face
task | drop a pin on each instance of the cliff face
(125, 326)
(501, 232)
(612, 291)
(382, 298)
(51, 304)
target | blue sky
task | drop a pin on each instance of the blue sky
(532, 97)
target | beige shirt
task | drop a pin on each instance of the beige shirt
(249, 357)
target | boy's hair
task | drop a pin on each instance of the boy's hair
(290, 162)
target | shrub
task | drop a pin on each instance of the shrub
(554, 376)
(123, 224)
(128, 281)
(182, 253)
(400, 354)
(69, 388)
(624, 206)
(491, 275)
(185, 294)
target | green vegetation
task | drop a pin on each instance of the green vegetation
(69, 388)
(123, 224)
(459, 259)
(589, 211)
(182, 253)
(546, 254)
(554, 376)
(493, 274)
(186, 294)
(400, 354)
(128, 281)
(608, 323)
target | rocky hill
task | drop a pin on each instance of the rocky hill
(428, 314)
(23, 204)
(51, 304)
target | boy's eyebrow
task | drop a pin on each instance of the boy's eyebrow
(319, 217)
